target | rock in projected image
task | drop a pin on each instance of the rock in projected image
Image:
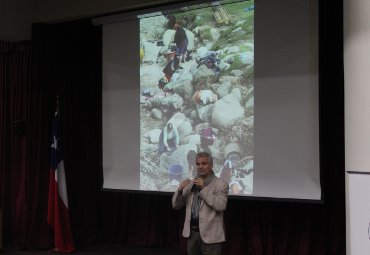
(196, 94)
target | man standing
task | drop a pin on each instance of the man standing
(205, 199)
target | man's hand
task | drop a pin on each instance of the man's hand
(183, 184)
(199, 182)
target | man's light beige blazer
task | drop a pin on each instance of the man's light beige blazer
(212, 207)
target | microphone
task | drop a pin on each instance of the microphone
(195, 187)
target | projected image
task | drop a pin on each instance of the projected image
(196, 94)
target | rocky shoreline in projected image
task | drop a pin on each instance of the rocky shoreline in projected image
(196, 94)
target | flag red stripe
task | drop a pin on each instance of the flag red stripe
(58, 218)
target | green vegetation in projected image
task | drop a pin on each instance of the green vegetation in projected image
(196, 94)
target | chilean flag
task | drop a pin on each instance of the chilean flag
(58, 214)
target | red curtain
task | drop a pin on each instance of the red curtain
(14, 89)
(18, 192)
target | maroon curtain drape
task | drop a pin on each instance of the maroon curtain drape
(14, 91)
(22, 174)
(18, 178)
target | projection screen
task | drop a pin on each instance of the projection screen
(237, 79)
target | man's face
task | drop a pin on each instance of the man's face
(203, 166)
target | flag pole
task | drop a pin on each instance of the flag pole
(57, 104)
(58, 208)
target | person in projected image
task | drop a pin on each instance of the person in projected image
(227, 174)
(181, 41)
(172, 63)
(168, 139)
(205, 198)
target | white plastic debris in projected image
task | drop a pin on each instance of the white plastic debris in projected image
(197, 94)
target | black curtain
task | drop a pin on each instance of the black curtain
(67, 62)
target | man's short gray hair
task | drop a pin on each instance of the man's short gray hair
(206, 155)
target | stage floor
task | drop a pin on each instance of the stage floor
(97, 250)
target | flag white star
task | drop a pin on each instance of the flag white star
(55, 143)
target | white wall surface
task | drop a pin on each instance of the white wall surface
(358, 213)
(357, 84)
(356, 46)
